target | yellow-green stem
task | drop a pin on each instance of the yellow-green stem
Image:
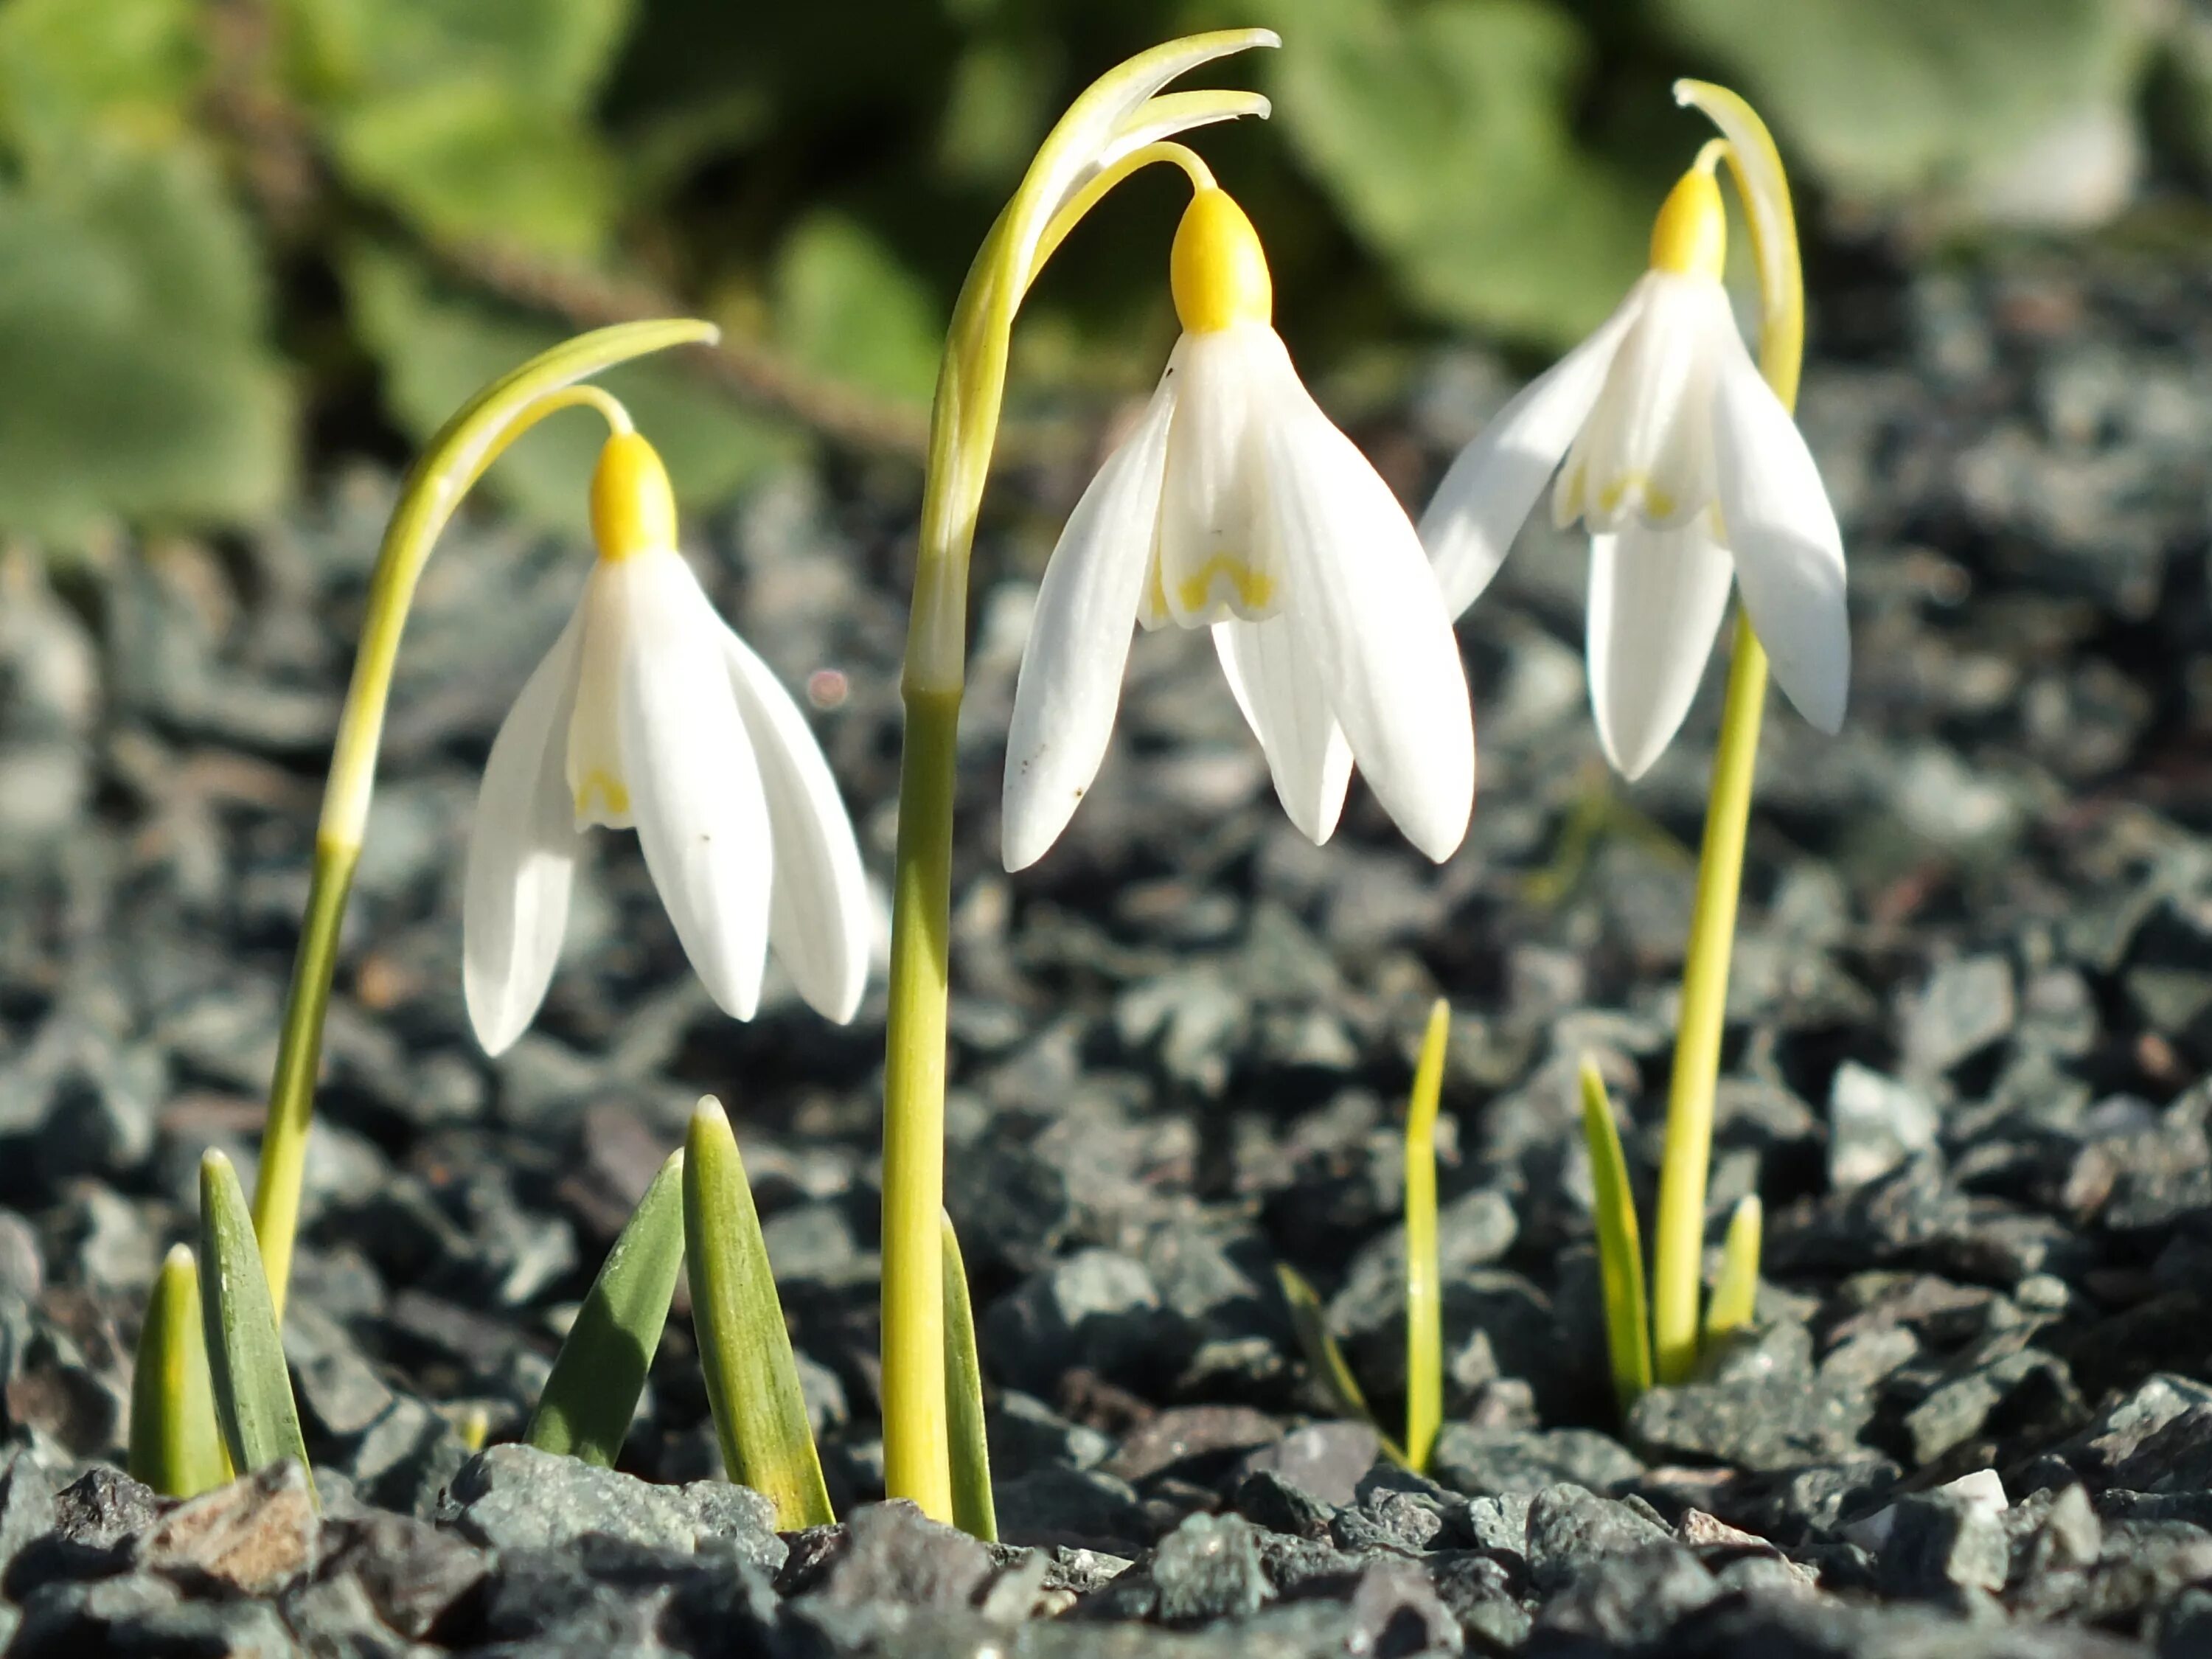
(449, 465)
(1425, 1331)
(916, 1437)
(1679, 1247)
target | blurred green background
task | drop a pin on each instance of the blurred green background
(241, 238)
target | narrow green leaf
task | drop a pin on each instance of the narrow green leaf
(175, 1446)
(253, 1390)
(1619, 1245)
(1425, 1328)
(1326, 1359)
(973, 1510)
(1733, 1296)
(752, 1379)
(591, 1396)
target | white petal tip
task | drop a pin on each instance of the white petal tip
(708, 1113)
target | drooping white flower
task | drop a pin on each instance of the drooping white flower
(1688, 471)
(1237, 505)
(649, 711)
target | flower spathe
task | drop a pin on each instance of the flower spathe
(650, 713)
(1689, 475)
(1237, 505)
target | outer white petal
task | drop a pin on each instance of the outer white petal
(1211, 531)
(1070, 682)
(1366, 613)
(1490, 489)
(1286, 705)
(1656, 598)
(1643, 451)
(522, 854)
(818, 921)
(695, 787)
(1789, 551)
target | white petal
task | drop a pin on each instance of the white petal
(1286, 706)
(522, 854)
(1644, 452)
(1656, 598)
(1367, 616)
(1789, 551)
(1070, 682)
(1488, 491)
(819, 921)
(695, 787)
(1213, 560)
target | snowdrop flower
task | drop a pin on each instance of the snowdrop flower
(649, 711)
(1236, 506)
(1688, 471)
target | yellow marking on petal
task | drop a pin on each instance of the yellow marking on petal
(1689, 236)
(633, 510)
(1156, 598)
(1255, 590)
(1657, 503)
(608, 789)
(1217, 269)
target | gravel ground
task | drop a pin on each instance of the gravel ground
(1972, 1000)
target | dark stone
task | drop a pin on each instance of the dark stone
(255, 1534)
(1097, 1310)
(410, 1571)
(1750, 1425)
(1010, 1206)
(1396, 1613)
(1942, 1544)
(1326, 1460)
(1082, 1507)
(1268, 1500)
(891, 1553)
(1572, 1529)
(1207, 1569)
(1484, 1595)
(1194, 1442)
(1623, 1601)
(101, 1508)
(515, 1497)
(1483, 1464)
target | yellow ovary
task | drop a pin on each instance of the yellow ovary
(1689, 236)
(633, 510)
(1217, 270)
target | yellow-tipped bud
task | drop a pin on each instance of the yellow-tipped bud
(1690, 237)
(1217, 269)
(633, 510)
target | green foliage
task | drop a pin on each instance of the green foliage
(589, 1399)
(847, 309)
(1309, 1324)
(1736, 1292)
(252, 1389)
(1619, 1245)
(439, 346)
(133, 346)
(176, 1447)
(752, 1378)
(1440, 133)
(1893, 97)
(973, 1509)
(1424, 1329)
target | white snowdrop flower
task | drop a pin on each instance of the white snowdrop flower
(1237, 505)
(650, 713)
(1688, 471)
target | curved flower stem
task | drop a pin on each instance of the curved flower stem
(1117, 125)
(455, 459)
(1678, 1246)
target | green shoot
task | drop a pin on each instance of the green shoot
(589, 1400)
(176, 1447)
(252, 1389)
(1619, 1245)
(1326, 1359)
(1424, 1335)
(1733, 1298)
(753, 1376)
(973, 1510)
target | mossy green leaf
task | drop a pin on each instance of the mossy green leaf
(252, 1389)
(588, 1400)
(176, 1445)
(847, 308)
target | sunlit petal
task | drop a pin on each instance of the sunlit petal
(1487, 494)
(819, 921)
(522, 854)
(1070, 682)
(695, 787)
(1286, 705)
(1366, 610)
(1656, 598)
(1789, 551)
(1630, 459)
(1213, 558)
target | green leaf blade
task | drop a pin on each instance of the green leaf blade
(1326, 1359)
(176, 1446)
(974, 1511)
(1737, 1291)
(252, 1389)
(591, 1396)
(753, 1376)
(1619, 1245)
